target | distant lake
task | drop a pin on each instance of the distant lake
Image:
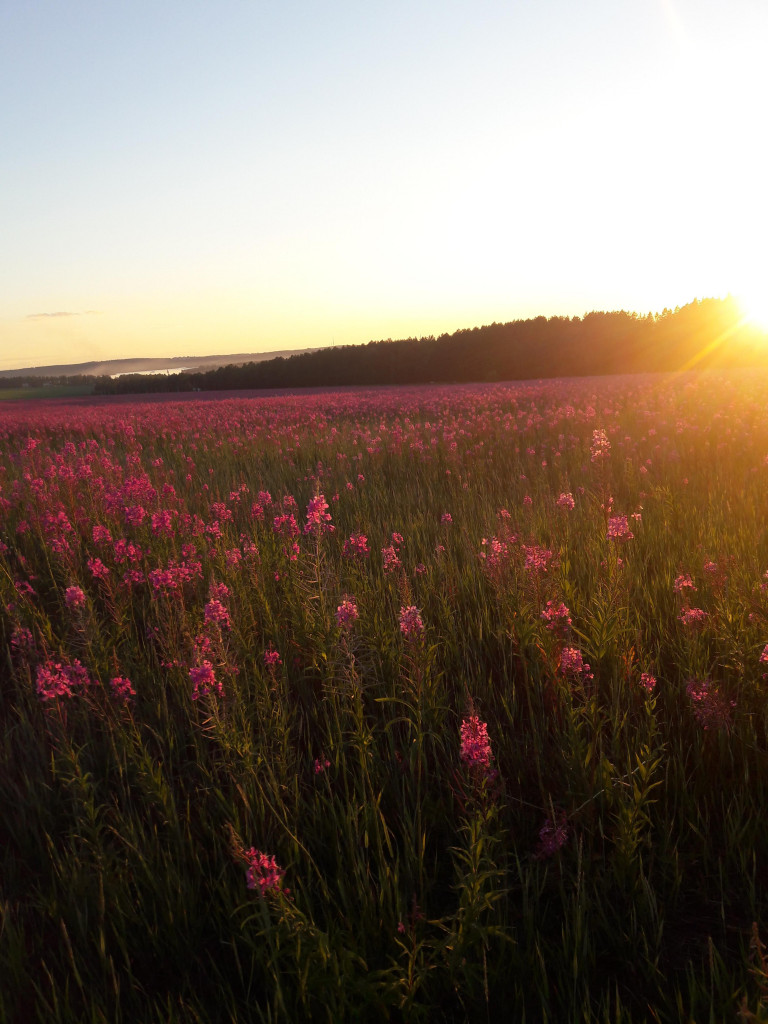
(146, 373)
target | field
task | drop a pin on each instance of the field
(430, 704)
(45, 391)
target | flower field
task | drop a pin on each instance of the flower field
(440, 704)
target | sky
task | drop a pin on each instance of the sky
(189, 178)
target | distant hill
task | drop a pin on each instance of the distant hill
(175, 364)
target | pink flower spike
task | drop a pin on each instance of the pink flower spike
(263, 874)
(475, 745)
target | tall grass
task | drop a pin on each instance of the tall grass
(605, 860)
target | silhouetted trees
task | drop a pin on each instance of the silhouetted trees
(704, 333)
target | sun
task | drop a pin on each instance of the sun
(754, 306)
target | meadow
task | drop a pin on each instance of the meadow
(420, 704)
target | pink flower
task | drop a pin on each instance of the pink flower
(648, 682)
(557, 617)
(390, 559)
(764, 656)
(475, 745)
(566, 501)
(215, 611)
(601, 446)
(263, 873)
(56, 680)
(74, 598)
(710, 708)
(572, 663)
(446, 519)
(122, 689)
(321, 764)
(97, 568)
(684, 581)
(356, 546)
(552, 836)
(318, 517)
(346, 613)
(204, 681)
(537, 558)
(618, 528)
(411, 625)
(272, 658)
(693, 617)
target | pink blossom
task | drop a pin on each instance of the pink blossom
(557, 617)
(204, 681)
(74, 598)
(618, 528)
(764, 656)
(356, 546)
(552, 836)
(648, 682)
(684, 582)
(566, 501)
(601, 446)
(390, 559)
(572, 663)
(475, 745)
(346, 613)
(215, 611)
(122, 689)
(263, 873)
(321, 764)
(272, 658)
(446, 519)
(710, 708)
(411, 625)
(318, 517)
(693, 617)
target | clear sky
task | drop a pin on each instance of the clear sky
(185, 177)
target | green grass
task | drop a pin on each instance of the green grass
(53, 391)
(419, 886)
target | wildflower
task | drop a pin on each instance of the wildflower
(272, 658)
(263, 873)
(346, 613)
(446, 519)
(356, 546)
(56, 680)
(648, 682)
(411, 624)
(618, 528)
(321, 764)
(215, 611)
(537, 558)
(764, 656)
(710, 708)
(475, 745)
(397, 539)
(318, 517)
(684, 581)
(566, 501)
(557, 617)
(204, 681)
(552, 836)
(390, 558)
(572, 663)
(74, 598)
(693, 617)
(122, 689)
(600, 447)
(97, 568)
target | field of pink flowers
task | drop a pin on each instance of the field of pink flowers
(404, 704)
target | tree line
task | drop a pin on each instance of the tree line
(705, 333)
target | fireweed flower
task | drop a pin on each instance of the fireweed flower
(56, 680)
(272, 658)
(215, 611)
(600, 447)
(390, 559)
(693, 617)
(648, 682)
(411, 625)
(356, 546)
(321, 763)
(122, 689)
(74, 598)
(263, 873)
(204, 681)
(475, 745)
(618, 528)
(318, 517)
(446, 519)
(557, 617)
(764, 656)
(552, 836)
(566, 501)
(346, 613)
(710, 708)
(684, 582)
(572, 663)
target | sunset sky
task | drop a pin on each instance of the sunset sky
(181, 178)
